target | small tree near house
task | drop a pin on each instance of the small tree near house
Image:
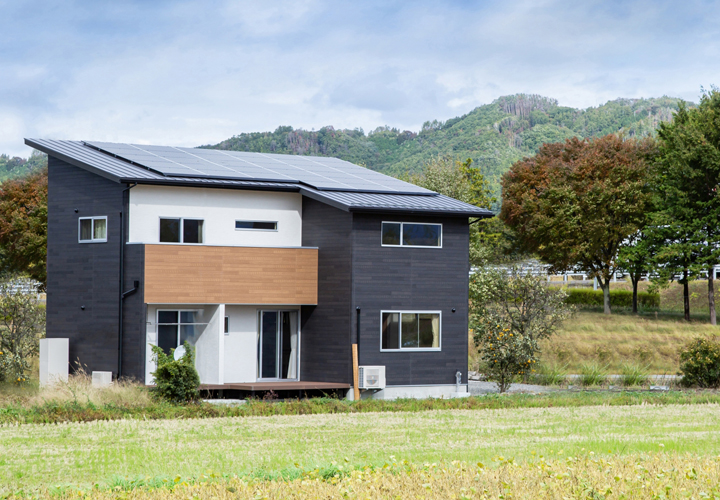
(511, 312)
(22, 324)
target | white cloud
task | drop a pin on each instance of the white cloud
(189, 73)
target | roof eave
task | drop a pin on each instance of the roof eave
(72, 161)
(410, 211)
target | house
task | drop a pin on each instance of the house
(273, 266)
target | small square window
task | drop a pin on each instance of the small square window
(170, 230)
(177, 230)
(92, 229)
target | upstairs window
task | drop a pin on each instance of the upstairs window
(256, 225)
(410, 330)
(181, 230)
(411, 234)
(92, 229)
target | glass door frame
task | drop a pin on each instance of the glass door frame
(279, 336)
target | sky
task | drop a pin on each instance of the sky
(188, 73)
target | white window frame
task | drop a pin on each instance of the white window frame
(401, 234)
(182, 231)
(277, 225)
(157, 322)
(92, 230)
(411, 349)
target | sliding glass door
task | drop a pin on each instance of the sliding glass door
(278, 345)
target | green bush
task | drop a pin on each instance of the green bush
(618, 298)
(700, 363)
(176, 381)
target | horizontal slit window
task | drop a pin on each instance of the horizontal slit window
(92, 229)
(256, 225)
(412, 234)
(410, 330)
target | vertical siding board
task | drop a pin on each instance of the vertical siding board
(412, 279)
(326, 328)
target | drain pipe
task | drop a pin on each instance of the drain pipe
(121, 278)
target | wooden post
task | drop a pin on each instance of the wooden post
(356, 379)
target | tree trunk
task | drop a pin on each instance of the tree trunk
(606, 294)
(711, 295)
(686, 295)
(635, 278)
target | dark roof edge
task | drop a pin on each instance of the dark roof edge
(314, 195)
(445, 213)
(72, 161)
(167, 182)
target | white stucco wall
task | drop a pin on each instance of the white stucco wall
(219, 208)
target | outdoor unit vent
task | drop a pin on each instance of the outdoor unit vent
(371, 377)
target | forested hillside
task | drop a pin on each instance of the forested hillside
(494, 135)
(15, 167)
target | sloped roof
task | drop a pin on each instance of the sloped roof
(329, 180)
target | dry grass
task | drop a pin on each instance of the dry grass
(621, 339)
(648, 342)
(77, 389)
(650, 475)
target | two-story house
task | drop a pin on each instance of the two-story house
(272, 266)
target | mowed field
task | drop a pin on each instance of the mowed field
(108, 453)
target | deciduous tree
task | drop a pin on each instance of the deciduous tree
(575, 203)
(23, 225)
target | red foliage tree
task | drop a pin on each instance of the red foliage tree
(575, 203)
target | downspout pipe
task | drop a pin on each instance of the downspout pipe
(121, 278)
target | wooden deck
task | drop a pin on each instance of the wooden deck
(276, 386)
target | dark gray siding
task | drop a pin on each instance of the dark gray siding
(326, 328)
(87, 274)
(134, 315)
(84, 274)
(403, 278)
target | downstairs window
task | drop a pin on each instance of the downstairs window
(410, 330)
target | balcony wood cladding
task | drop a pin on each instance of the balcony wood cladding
(180, 274)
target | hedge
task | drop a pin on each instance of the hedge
(618, 298)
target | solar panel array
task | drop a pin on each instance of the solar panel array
(322, 173)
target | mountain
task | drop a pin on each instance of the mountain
(494, 135)
(15, 167)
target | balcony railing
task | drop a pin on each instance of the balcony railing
(184, 274)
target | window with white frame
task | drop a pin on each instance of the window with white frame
(180, 230)
(410, 330)
(411, 234)
(92, 229)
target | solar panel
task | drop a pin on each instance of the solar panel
(322, 173)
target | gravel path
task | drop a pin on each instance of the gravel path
(477, 387)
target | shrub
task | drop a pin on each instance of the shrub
(633, 375)
(593, 374)
(618, 298)
(176, 381)
(511, 312)
(700, 363)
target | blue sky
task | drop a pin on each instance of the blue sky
(191, 73)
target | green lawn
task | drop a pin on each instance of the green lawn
(100, 452)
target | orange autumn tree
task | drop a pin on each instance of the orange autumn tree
(23, 225)
(575, 204)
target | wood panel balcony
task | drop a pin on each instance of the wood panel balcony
(184, 274)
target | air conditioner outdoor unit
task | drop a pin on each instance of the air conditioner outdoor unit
(371, 377)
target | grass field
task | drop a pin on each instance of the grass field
(115, 452)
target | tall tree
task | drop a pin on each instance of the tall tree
(576, 203)
(688, 181)
(23, 225)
